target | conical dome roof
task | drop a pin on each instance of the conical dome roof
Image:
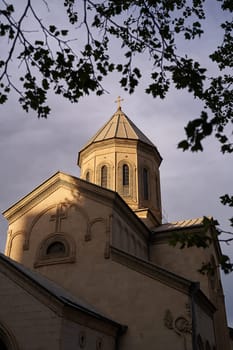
(120, 127)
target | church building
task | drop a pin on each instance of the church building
(88, 263)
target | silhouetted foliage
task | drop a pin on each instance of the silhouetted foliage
(54, 61)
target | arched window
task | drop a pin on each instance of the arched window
(125, 179)
(56, 248)
(88, 176)
(104, 176)
(125, 175)
(145, 184)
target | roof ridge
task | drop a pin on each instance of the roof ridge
(113, 129)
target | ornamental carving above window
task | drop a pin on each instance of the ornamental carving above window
(55, 249)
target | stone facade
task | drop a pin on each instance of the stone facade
(97, 266)
(36, 314)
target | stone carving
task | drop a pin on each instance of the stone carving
(61, 214)
(180, 325)
(88, 235)
(168, 319)
(12, 236)
(183, 325)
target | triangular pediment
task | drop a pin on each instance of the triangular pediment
(79, 189)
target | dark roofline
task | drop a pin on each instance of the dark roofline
(19, 268)
(164, 276)
(158, 235)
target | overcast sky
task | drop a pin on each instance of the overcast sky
(32, 150)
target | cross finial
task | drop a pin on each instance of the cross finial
(118, 101)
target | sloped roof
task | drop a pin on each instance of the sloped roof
(121, 127)
(163, 230)
(55, 290)
(183, 224)
(179, 225)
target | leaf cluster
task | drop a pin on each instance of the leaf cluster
(140, 27)
(146, 27)
(204, 238)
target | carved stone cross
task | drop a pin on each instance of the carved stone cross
(60, 215)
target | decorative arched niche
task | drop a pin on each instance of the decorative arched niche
(58, 248)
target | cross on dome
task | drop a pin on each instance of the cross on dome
(118, 101)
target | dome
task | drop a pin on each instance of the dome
(119, 127)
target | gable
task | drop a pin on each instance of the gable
(32, 302)
(67, 211)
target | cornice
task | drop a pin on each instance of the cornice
(59, 179)
(165, 235)
(115, 201)
(92, 319)
(126, 212)
(103, 144)
(164, 276)
(147, 215)
(205, 303)
(149, 149)
(59, 304)
(31, 286)
(151, 270)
